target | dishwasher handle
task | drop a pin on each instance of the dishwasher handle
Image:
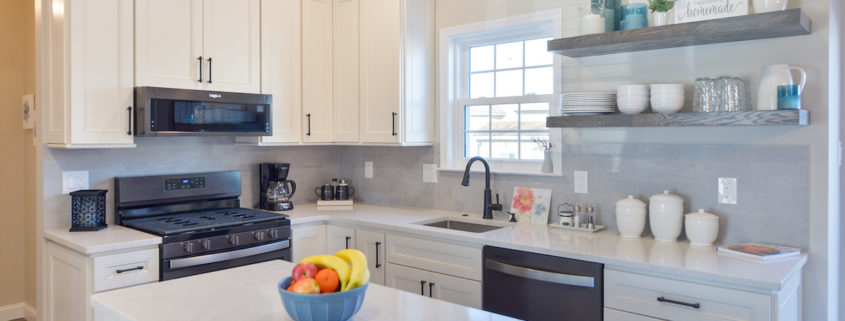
(552, 277)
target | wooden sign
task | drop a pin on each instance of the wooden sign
(698, 10)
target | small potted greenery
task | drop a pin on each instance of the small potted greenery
(660, 11)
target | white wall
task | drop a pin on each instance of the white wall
(684, 65)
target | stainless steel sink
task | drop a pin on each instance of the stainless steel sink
(463, 226)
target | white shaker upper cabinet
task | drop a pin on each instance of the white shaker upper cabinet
(397, 71)
(90, 90)
(198, 44)
(346, 69)
(317, 72)
(168, 44)
(231, 45)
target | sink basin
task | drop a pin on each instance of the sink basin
(463, 226)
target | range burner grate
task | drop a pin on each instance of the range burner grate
(191, 221)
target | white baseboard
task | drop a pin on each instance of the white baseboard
(17, 311)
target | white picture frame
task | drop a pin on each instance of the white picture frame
(699, 10)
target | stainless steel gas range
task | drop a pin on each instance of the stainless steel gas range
(202, 225)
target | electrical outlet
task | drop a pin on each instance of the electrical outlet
(368, 169)
(581, 182)
(727, 190)
(74, 181)
(429, 173)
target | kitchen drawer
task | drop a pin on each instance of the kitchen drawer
(616, 315)
(665, 299)
(125, 269)
(446, 258)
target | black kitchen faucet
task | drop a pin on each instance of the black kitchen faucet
(489, 207)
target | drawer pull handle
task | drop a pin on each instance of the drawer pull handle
(347, 241)
(691, 305)
(378, 265)
(422, 287)
(430, 289)
(130, 269)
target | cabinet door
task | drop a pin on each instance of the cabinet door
(101, 73)
(307, 241)
(317, 85)
(339, 238)
(456, 290)
(168, 43)
(372, 244)
(231, 45)
(346, 76)
(407, 279)
(616, 315)
(418, 72)
(380, 71)
(67, 290)
(281, 49)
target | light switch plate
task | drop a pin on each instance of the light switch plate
(581, 182)
(368, 169)
(74, 181)
(727, 190)
(429, 173)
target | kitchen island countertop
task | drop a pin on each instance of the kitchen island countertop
(249, 293)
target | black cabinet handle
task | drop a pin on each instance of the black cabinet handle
(129, 111)
(199, 61)
(130, 269)
(378, 265)
(347, 241)
(430, 286)
(209, 70)
(422, 287)
(691, 305)
(309, 124)
(394, 123)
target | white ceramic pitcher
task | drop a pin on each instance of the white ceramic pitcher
(772, 77)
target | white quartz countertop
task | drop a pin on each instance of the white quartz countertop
(645, 255)
(112, 238)
(249, 293)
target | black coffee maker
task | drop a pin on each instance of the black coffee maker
(275, 188)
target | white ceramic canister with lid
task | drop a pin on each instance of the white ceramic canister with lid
(702, 228)
(666, 216)
(630, 217)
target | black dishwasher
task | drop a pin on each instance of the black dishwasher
(540, 287)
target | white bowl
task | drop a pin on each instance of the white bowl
(667, 87)
(667, 104)
(632, 88)
(761, 6)
(632, 108)
(702, 228)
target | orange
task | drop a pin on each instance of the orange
(328, 281)
(290, 288)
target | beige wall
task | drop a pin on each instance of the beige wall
(17, 219)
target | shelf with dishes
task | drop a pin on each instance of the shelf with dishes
(738, 118)
(786, 23)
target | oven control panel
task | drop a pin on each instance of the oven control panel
(224, 242)
(184, 183)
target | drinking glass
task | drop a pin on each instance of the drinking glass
(701, 96)
(733, 93)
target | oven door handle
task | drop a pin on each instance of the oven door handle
(230, 255)
(552, 277)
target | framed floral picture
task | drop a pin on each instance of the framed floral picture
(531, 205)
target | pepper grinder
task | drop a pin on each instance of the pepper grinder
(577, 210)
(590, 223)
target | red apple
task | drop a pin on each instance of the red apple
(306, 286)
(304, 270)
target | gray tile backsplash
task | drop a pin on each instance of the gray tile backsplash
(773, 180)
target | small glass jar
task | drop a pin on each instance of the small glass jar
(592, 20)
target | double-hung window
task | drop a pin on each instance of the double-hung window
(497, 88)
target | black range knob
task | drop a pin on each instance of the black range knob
(189, 247)
(234, 240)
(259, 236)
(274, 234)
(206, 244)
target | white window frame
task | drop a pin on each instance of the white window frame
(454, 57)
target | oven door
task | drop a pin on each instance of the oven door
(180, 267)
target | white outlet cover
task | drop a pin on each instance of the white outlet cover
(727, 190)
(429, 173)
(368, 169)
(581, 182)
(74, 181)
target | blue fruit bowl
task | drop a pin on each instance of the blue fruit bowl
(338, 306)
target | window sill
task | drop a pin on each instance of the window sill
(502, 172)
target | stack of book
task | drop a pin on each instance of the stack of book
(761, 251)
(335, 205)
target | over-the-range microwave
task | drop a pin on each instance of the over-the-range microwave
(185, 112)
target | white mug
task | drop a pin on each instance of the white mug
(761, 6)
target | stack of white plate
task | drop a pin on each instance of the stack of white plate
(587, 103)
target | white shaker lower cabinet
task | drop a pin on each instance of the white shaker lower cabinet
(339, 238)
(671, 299)
(372, 243)
(307, 240)
(445, 271)
(71, 278)
(616, 315)
(89, 98)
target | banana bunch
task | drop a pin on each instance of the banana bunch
(350, 265)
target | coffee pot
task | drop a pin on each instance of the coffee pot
(279, 194)
(275, 188)
(772, 77)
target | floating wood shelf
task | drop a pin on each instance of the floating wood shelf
(793, 22)
(747, 118)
